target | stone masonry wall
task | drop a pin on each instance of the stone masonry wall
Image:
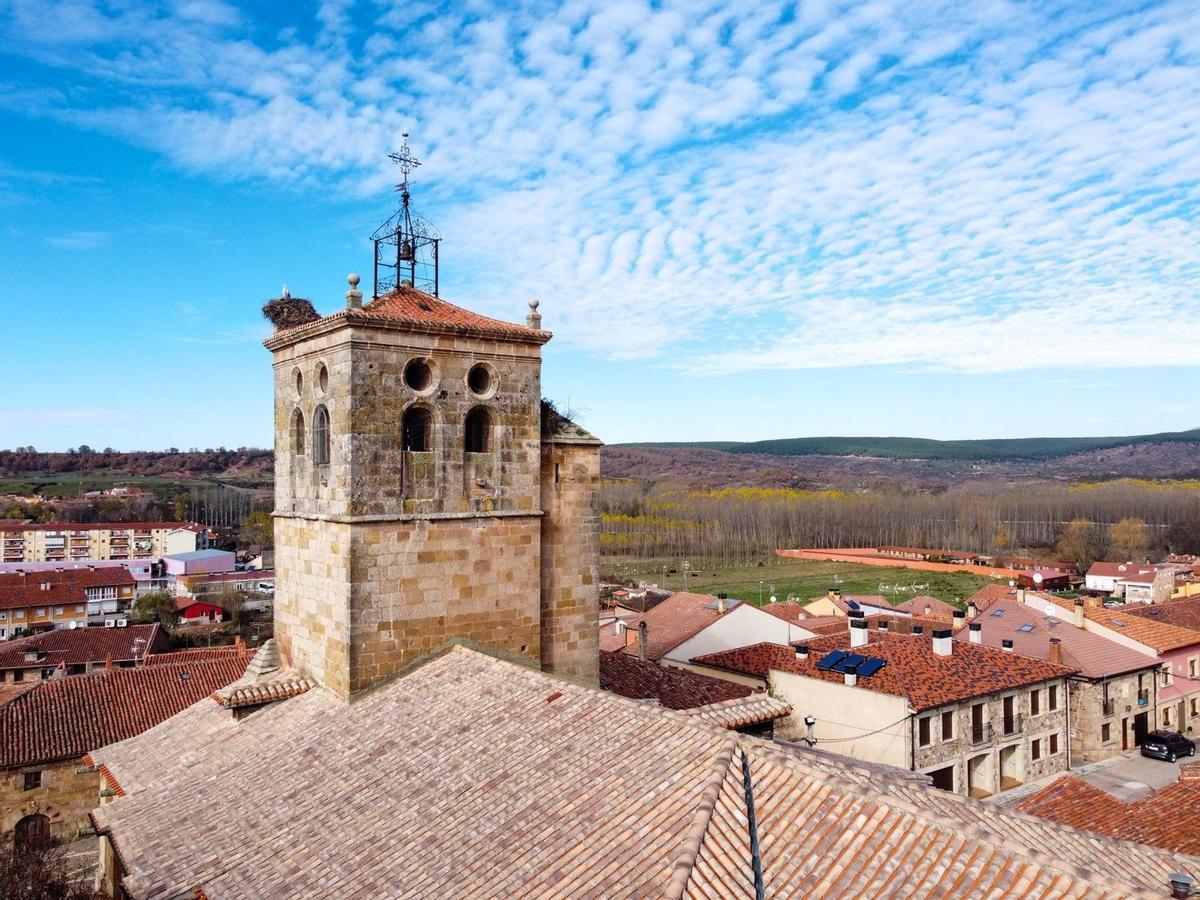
(570, 559)
(1088, 718)
(418, 583)
(68, 793)
(312, 598)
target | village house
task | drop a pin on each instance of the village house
(41, 601)
(47, 788)
(78, 651)
(977, 721)
(1135, 582)
(686, 625)
(1112, 696)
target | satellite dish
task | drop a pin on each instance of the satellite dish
(774, 599)
(1037, 577)
(1011, 583)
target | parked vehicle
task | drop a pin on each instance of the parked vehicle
(1168, 745)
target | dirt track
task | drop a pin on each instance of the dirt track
(868, 557)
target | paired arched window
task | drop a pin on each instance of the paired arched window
(321, 436)
(417, 430)
(478, 436)
(297, 432)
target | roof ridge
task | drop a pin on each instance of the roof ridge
(689, 853)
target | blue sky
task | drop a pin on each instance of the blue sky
(743, 220)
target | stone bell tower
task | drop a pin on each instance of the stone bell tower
(422, 492)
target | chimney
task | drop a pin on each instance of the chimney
(959, 620)
(108, 661)
(802, 651)
(928, 609)
(1021, 596)
(534, 319)
(976, 632)
(643, 640)
(942, 645)
(1006, 645)
(1056, 651)
(858, 632)
(883, 624)
(918, 629)
(972, 610)
(851, 672)
(354, 295)
(1079, 617)
(722, 604)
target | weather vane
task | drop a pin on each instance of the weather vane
(406, 246)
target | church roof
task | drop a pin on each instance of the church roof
(476, 776)
(415, 309)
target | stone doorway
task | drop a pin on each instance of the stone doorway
(981, 776)
(943, 779)
(1012, 767)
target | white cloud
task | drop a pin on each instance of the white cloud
(946, 186)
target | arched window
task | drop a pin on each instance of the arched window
(417, 430)
(478, 431)
(297, 432)
(321, 436)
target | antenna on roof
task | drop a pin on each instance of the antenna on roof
(406, 246)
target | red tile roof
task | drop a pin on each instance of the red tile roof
(78, 646)
(670, 623)
(200, 654)
(1170, 818)
(19, 590)
(1184, 612)
(913, 670)
(69, 717)
(1030, 630)
(641, 679)
(922, 605)
(1123, 570)
(896, 624)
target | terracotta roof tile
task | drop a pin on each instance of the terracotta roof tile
(1170, 818)
(553, 789)
(69, 717)
(641, 679)
(20, 590)
(1184, 612)
(932, 607)
(78, 646)
(913, 670)
(198, 654)
(740, 711)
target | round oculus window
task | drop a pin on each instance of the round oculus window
(418, 375)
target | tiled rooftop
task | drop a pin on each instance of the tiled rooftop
(487, 778)
(1030, 630)
(912, 671)
(1170, 818)
(68, 717)
(78, 646)
(19, 590)
(1184, 612)
(641, 679)
(670, 623)
(931, 607)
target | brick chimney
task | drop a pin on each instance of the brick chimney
(722, 604)
(972, 610)
(1021, 596)
(643, 640)
(1056, 651)
(976, 632)
(942, 644)
(1079, 617)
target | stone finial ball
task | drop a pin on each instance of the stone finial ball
(353, 279)
(533, 304)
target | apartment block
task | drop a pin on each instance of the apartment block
(68, 541)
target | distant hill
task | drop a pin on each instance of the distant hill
(990, 450)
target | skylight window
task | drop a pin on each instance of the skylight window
(1026, 628)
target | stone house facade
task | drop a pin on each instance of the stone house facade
(424, 492)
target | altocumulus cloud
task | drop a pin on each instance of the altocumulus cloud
(962, 186)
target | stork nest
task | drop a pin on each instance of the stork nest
(288, 312)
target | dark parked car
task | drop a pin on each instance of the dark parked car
(1168, 745)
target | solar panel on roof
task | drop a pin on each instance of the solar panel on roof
(871, 666)
(850, 659)
(852, 604)
(829, 660)
(997, 613)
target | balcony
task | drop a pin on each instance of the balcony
(1110, 707)
(1012, 724)
(980, 733)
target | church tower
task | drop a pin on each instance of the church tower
(423, 491)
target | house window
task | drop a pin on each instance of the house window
(321, 436)
(1105, 733)
(947, 726)
(1167, 677)
(1166, 716)
(1195, 707)
(40, 611)
(1035, 702)
(58, 610)
(923, 737)
(1193, 667)
(1052, 697)
(297, 432)
(478, 431)
(1053, 743)
(1035, 749)
(31, 780)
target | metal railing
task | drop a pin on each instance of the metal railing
(1012, 724)
(1110, 707)
(981, 733)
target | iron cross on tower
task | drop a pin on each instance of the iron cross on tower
(406, 246)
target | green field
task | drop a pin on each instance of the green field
(804, 579)
(57, 486)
